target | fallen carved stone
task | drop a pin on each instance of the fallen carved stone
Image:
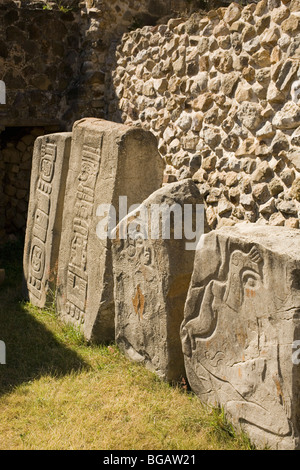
(241, 327)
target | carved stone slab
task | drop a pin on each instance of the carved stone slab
(151, 279)
(107, 160)
(240, 325)
(48, 180)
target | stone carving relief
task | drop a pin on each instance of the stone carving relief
(234, 338)
(77, 279)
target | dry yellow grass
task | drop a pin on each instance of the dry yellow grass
(57, 392)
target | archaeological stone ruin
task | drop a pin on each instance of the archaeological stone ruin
(240, 320)
(50, 163)
(107, 160)
(151, 277)
(150, 158)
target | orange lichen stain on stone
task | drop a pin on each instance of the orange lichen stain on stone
(241, 336)
(240, 372)
(278, 385)
(250, 293)
(138, 302)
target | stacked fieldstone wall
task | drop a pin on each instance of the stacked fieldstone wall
(16, 148)
(221, 93)
(53, 55)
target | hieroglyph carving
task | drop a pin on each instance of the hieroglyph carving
(77, 279)
(109, 162)
(241, 319)
(41, 219)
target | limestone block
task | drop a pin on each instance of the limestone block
(287, 207)
(243, 92)
(295, 189)
(233, 13)
(286, 74)
(43, 232)
(295, 138)
(151, 279)
(107, 160)
(270, 37)
(288, 117)
(277, 220)
(228, 82)
(291, 24)
(274, 95)
(262, 58)
(250, 115)
(241, 323)
(295, 90)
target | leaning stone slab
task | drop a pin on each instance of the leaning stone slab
(107, 160)
(241, 323)
(43, 232)
(152, 271)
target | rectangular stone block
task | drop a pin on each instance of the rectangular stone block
(152, 270)
(241, 329)
(107, 160)
(43, 232)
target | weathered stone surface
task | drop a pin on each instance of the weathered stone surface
(2, 276)
(107, 160)
(229, 81)
(295, 189)
(232, 13)
(294, 156)
(43, 233)
(151, 278)
(240, 322)
(291, 24)
(240, 88)
(286, 74)
(250, 115)
(288, 117)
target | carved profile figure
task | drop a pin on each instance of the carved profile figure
(142, 274)
(244, 280)
(231, 335)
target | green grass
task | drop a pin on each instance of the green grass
(58, 392)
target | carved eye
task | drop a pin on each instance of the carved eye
(251, 280)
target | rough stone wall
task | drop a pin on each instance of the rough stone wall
(16, 145)
(53, 54)
(53, 60)
(221, 93)
(39, 56)
(103, 22)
